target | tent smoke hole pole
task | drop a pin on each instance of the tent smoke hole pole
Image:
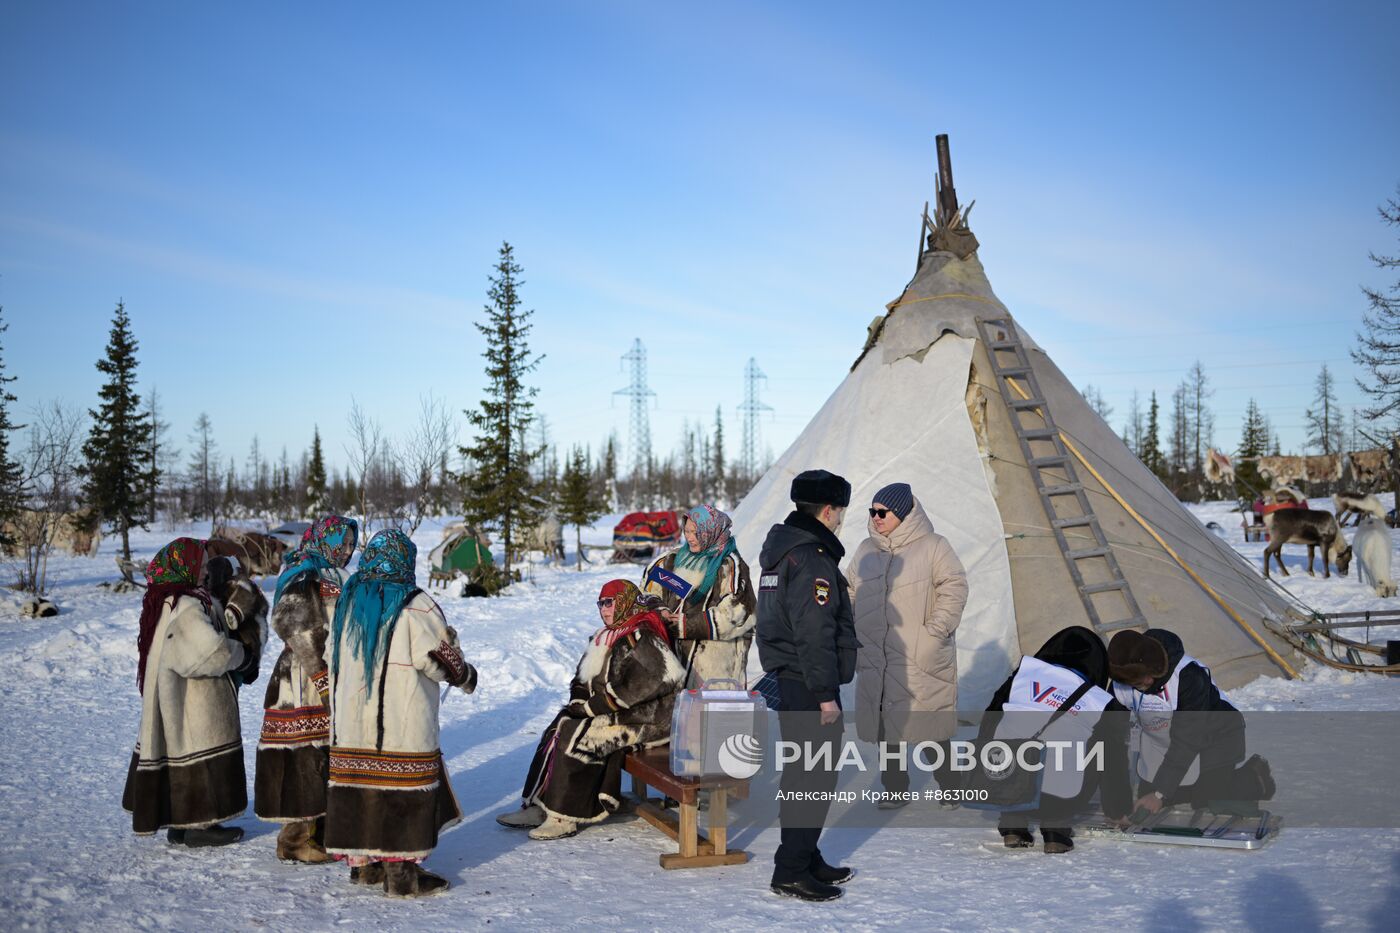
(1230, 610)
(947, 194)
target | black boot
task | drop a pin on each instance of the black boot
(215, 835)
(1017, 838)
(830, 874)
(1261, 776)
(807, 889)
(1057, 841)
(175, 836)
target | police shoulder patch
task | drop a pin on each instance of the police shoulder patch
(822, 591)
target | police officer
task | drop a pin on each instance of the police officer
(807, 638)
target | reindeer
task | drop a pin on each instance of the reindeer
(1372, 548)
(244, 605)
(1312, 527)
(1359, 504)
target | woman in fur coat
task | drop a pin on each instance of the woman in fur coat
(187, 770)
(289, 785)
(707, 599)
(389, 649)
(620, 699)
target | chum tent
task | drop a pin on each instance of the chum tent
(951, 396)
(460, 549)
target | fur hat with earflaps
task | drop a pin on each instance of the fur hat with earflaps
(1133, 656)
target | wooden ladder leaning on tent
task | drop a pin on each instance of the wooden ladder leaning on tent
(1046, 456)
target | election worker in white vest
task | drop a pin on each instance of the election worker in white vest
(706, 599)
(1192, 758)
(1072, 667)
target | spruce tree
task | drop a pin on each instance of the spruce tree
(11, 477)
(607, 472)
(500, 492)
(1151, 454)
(117, 474)
(579, 503)
(316, 501)
(1254, 443)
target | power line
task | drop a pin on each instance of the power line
(639, 430)
(748, 453)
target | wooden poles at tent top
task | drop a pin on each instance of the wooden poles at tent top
(947, 207)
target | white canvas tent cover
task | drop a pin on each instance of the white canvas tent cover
(922, 406)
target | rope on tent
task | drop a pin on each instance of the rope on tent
(950, 295)
(1230, 610)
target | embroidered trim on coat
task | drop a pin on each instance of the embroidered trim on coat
(450, 659)
(296, 726)
(365, 767)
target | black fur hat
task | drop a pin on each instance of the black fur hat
(821, 488)
(1133, 656)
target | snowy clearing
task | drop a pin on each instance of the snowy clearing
(70, 713)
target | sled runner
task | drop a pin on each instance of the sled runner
(1195, 828)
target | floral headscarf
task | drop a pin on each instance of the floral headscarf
(712, 533)
(328, 543)
(626, 619)
(374, 594)
(175, 571)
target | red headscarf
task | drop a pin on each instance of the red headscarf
(175, 571)
(624, 595)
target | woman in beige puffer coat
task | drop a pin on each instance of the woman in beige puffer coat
(908, 591)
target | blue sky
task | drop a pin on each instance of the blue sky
(300, 203)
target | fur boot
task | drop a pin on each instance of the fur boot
(297, 843)
(407, 879)
(371, 875)
(523, 818)
(554, 828)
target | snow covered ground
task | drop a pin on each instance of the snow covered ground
(69, 709)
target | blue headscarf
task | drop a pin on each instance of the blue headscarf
(716, 543)
(373, 596)
(329, 542)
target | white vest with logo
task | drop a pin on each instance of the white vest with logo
(1040, 687)
(1152, 721)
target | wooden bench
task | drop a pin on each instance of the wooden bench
(652, 768)
(440, 578)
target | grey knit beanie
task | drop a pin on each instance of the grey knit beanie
(898, 498)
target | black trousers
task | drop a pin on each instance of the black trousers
(1219, 777)
(799, 720)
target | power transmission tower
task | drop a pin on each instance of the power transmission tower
(639, 432)
(749, 452)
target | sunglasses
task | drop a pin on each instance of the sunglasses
(605, 602)
(880, 513)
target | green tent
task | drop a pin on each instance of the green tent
(461, 550)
